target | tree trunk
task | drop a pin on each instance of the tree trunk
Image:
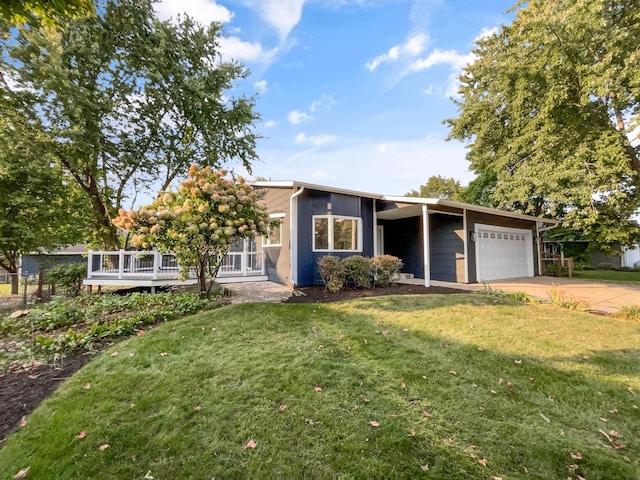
(14, 283)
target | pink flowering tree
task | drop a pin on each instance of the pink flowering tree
(198, 222)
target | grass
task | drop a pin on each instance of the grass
(608, 275)
(250, 372)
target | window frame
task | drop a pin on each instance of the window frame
(330, 243)
(266, 240)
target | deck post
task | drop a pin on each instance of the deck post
(425, 246)
(157, 258)
(243, 258)
(120, 263)
(90, 265)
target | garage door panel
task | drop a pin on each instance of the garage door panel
(503, 253)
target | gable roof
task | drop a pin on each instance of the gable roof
(402, 199)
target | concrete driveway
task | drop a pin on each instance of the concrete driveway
(606, 297)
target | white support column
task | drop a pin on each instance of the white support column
(425, 244)
(157, 259)
(466, 245)
(375, 229)
(89, 263)
(120, 263)
(243, 257)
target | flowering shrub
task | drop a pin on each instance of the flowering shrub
(199, 221)
(387, 268)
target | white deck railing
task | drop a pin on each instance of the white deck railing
(154, 265)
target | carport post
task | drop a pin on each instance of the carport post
(425, 245)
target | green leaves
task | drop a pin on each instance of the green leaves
(547, 109)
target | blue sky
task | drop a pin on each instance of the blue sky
(352, 93)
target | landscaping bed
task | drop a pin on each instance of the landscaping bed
(319, 294)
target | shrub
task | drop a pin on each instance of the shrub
(332, 272)
(387, 268)
(68, 277)
(629, 312)
(359, 270)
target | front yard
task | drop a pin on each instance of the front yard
(435, 386)
(609, 275)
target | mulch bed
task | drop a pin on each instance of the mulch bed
(318, 294)
(23, 389)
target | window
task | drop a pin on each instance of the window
(335, 233)
(274, 238)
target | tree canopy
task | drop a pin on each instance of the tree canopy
(124, 102)
(439, 187)
(550, 111)
(18, 11)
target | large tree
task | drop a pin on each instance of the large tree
(439, 187)
(38, 211)
(17, 11)
(125, 103)
(548, 110)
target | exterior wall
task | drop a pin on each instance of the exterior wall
(316, 202)
(446, 243)
(278, 259)
(403, 239)
(498, 220)
(31, 263)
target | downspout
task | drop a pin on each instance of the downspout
(465, 245)
(293, 240)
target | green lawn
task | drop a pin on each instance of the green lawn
(511, 391)
(608, 275)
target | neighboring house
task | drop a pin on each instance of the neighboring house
(436, 239)
(32, 263)
(625, 257)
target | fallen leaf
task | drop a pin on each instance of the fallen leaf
(617, 445)
(572, 468)
(510, 385)
(164, 354)
(453, 372)
(36, 364)
(114, 354)
(526, 470)
(425, 468)
(631, 390)
(615, 410)
(317, 389)
(87, 386)
(496, 478)
(602, 419)
(483, 462)
(405, 329)
(133, 458)
(500, 380)
(606, 435)
(426, 414)
(444, 345)
(424, 377)
(412, 432)
(580, 477)
(480, 349)
(365, 341)
(140, 333)
(546, 419)
(403, 385)
(373, 423)
(282, 407)
(395, 417)
(366, 400)
(518, 362)
(81, 435)
(494, 392)
(23, 422)
(131, 354)
(576, 456)
(251, 444)
(103, 447)
(197, 408)
(320, 347)
(613, 433)
(22, 473)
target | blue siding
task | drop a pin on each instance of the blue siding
(315, 202)
(403, 239)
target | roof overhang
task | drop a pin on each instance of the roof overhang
(313, 186)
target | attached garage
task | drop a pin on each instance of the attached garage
(503, 252)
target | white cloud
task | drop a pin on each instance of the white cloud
(315, 140)
(383, 148)
(485, 33)
(296, 117)
(438, 57)
(204, 11)
(325, 101)
(233, 48)
(413, 47)
(261, 86)
(270, 124)
(428, 90)
(283, 15)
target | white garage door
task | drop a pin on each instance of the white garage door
(503, 253)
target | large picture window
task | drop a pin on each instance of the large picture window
(336, 233)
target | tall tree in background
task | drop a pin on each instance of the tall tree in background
(124, 102)
(50, 11)
(438, 187)
(548, 109)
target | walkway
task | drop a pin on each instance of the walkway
(605, 297)
(252, 292)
